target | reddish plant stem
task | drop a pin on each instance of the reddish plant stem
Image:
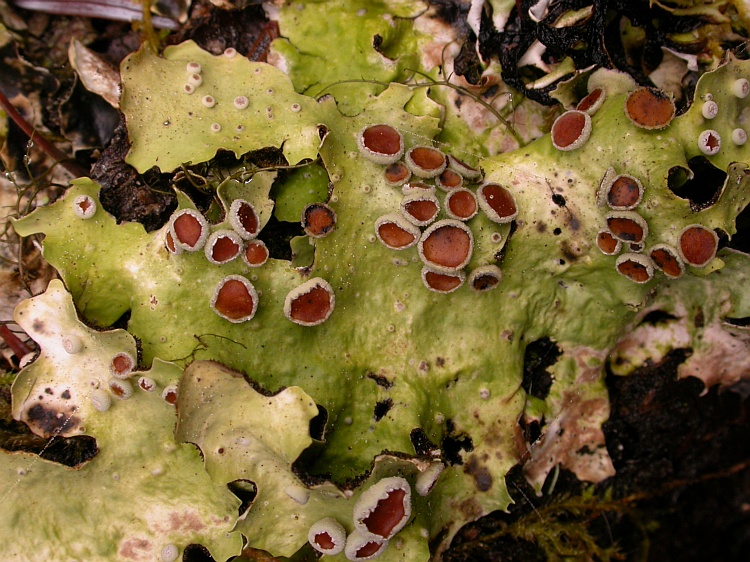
(18, 347)
(259, 49)
(68, 163)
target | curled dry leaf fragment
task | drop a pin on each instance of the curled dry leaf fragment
(96, 74)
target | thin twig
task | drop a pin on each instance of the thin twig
(68, 163)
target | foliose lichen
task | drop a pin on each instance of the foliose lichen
(391, 365)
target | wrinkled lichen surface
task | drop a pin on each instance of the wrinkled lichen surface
(393, 364)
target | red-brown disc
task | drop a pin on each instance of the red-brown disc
(311, 303)
(395, 232)
(698, 245)
(571, 130)
(442, 282)
(592, 102)
(627, 226)
(625, 192)
(170, 245)
(485, 278)
(243, 219)
(256, 253)
(461, 204)
(497, 202)
(397, 174)
(235, 299)
(324, 541)
(369, 549)
(425, 161)
(420, 208)
(387, 514)
(318, 220)
(446, 245)
(635, 267)
(189, 229)
(649, 108)
(122, 365)
(607, 243)
(223, 246)
(667, 260)
(381, 143)
(449, 179)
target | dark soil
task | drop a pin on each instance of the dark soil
(682, 488)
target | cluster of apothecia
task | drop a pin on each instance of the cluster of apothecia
(122, 371)
(439, 229)
(378, 515)
(625, 229)
(235, 298)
